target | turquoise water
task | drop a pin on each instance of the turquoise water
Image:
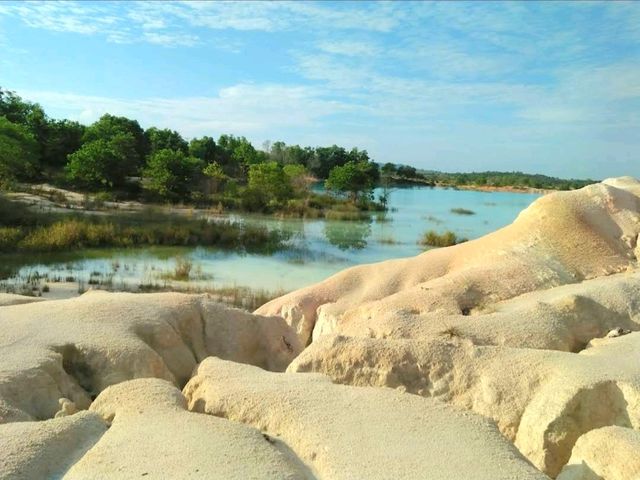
(319, 248)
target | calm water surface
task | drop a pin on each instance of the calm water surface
(319, 248)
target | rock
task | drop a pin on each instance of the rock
(612, 453)
(541, 400)
(617, 332)
(47, 449)
(67, 407)
(152, 434)
(100, 339)
(562, 238)
(344, 432)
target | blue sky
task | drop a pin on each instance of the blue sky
(541, 87)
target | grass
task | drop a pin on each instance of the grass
(462, 211)
(432, 238)
(181, 271)
(22, 230)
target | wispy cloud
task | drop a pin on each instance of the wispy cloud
(508, 79)
(242, 109)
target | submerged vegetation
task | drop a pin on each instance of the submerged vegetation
(462, 211)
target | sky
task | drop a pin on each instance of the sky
(540, 87)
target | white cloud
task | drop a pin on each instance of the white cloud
(240, 109)
(348, 48)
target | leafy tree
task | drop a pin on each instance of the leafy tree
(63, 138)
(326, 158)
(171, 174)
(404, 171)
(295, 154)
(271, 179)
(355, 178)
(215, 175)
(109, 126)
(28, 114)
(235, 154)
(245, 155)
(297, 176)
(18, 152)
(101, 163)
(388, 169)
(163, 139)
(203, 148)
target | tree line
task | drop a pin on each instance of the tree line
(115, 154)
(119, 158)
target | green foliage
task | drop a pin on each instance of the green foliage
(504, 179)
(203, 148)
(102, 163)
(215, 176)
(165, 139)
(18, 152)
(268, 185)
(327, 158)
(355, 178)
(298, 177)
(109, 127)
(63, 138)
(435, 239)
(24, 230)
(171, 174)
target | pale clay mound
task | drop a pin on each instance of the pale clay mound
(344, 432)
(509, 336)
(76, 348)
(562, 238)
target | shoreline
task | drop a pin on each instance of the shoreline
(510, 189)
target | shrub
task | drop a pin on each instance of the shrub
(435, 239)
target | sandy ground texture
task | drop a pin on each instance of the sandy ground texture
(513, 356)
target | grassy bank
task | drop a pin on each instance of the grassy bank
(24, 231)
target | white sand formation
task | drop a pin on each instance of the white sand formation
(526, 341)
(344, 432)
(562, 238)
(76, 348)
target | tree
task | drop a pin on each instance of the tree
(102, 163)
(298, 177)
(270, 179)
(325, 159)
(161, 139)
(355, 178)
(171, 174)
(215, 175)
(109, 126)
(18, 152)
(63, 138)
(203, 148)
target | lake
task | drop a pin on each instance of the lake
(318, 248)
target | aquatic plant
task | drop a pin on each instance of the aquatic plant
(462, 211)
(432, 238)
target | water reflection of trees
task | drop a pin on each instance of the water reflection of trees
(348, 235)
